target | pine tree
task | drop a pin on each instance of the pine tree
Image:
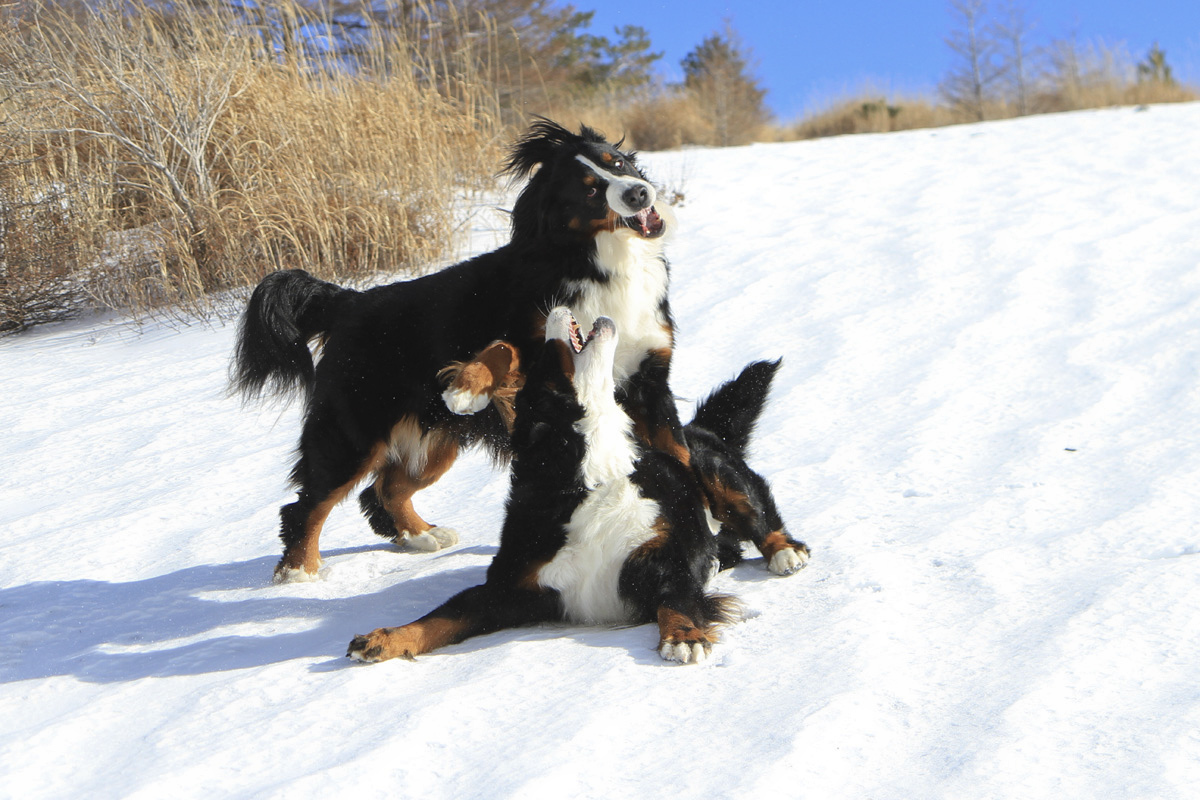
(1154, 69)
(717, 74)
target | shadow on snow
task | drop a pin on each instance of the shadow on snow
(220, 617)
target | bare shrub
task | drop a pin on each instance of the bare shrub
(668, 121)
(870, 113)
(37, 262)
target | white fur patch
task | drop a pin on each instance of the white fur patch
(407, 446)
(605, 426)
(431, 540)
(787, 561)
(294, 575)
(614, 519)
(714, 527)
(610, 524)
(461, 401)
(636, 286)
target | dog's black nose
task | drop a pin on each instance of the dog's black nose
(637, 197)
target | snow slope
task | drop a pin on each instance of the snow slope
(986, 427)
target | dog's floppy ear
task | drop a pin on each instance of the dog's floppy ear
(537, 146)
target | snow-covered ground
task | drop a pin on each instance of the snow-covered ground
(986, 427)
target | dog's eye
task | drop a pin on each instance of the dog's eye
(592, 192)
(618, 164)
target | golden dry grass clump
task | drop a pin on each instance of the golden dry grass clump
(150, 160)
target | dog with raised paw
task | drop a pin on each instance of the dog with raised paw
(586, 231)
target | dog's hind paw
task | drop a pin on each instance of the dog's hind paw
(432, 540)
(681, 639)
(464, 401)
(294, 575)
(788, 560)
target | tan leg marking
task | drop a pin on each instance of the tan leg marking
(662, 534)
(531, 580)
(727, 502)
(416, 462)
(306, 554)
(406, 642)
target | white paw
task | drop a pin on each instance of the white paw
(293, 575)
(432, 539)
(460, 401)
(787, 561)
(683, 652)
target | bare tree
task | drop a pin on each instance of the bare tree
(969, 85)
(1013, 30)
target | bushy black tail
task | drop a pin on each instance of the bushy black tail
(287, 309)
(732, 411)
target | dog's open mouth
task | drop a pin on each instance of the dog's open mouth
(647, 223)
(561, 325)
(578, 340)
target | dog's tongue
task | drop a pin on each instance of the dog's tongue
(649, 220)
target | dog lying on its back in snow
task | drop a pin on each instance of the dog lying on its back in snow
(601, 529)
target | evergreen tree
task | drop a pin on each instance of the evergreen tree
(1154, 69)
(717, 74)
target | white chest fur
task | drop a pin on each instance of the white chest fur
(610, 524)
(632, 296)
(614, 519)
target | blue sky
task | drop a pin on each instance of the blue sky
(811, 53)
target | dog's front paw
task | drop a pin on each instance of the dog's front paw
(465, 401)
(788, 560)
(382, 644)
(431, 540)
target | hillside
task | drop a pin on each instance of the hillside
(986, 427)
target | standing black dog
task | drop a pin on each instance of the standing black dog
(601, 530)
(585, 232)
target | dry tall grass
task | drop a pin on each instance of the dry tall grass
(869, 113)
(164, 158)
(1072, 77)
